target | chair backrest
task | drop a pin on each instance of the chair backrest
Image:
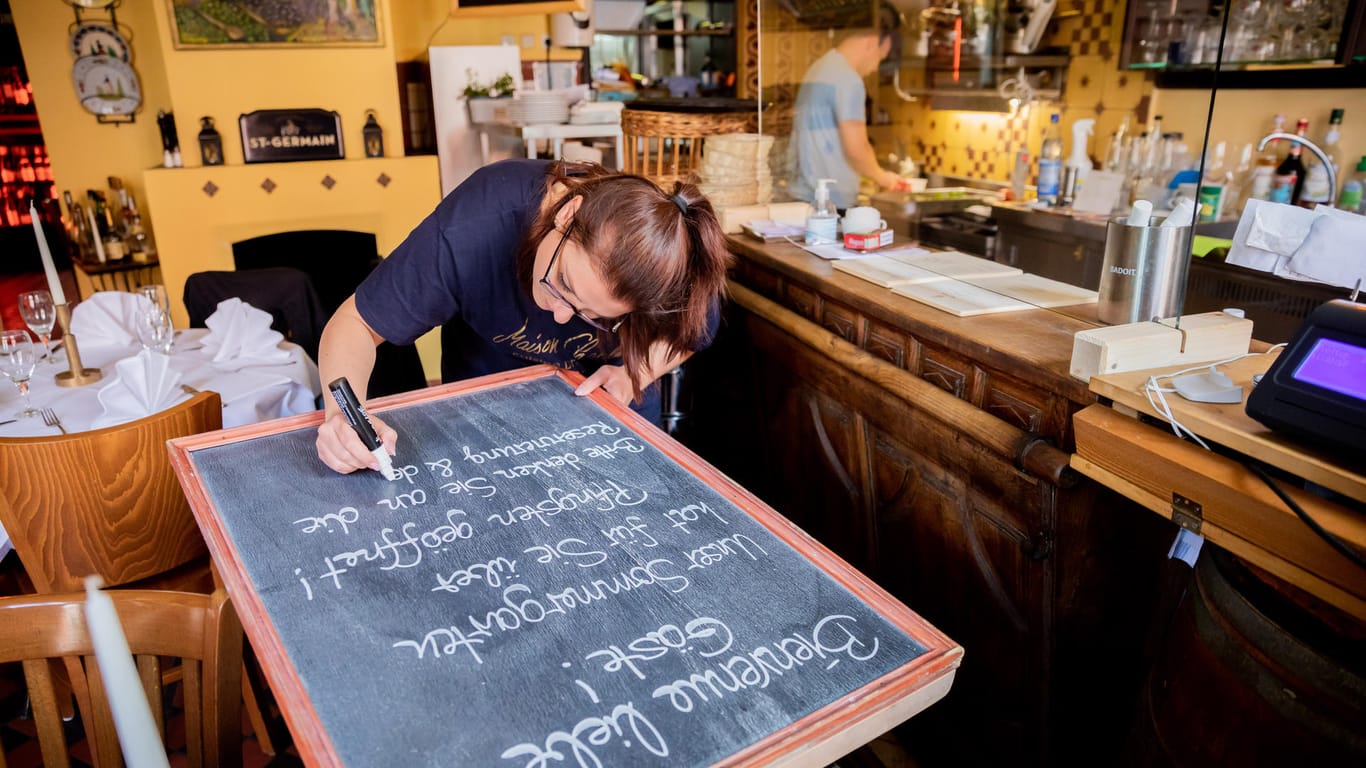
(202, 631)
(286, 293)
(667, 146)
(105, 501)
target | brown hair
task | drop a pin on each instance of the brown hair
(668, 261)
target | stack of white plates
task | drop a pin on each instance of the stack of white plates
(735, 169)
(537, 108)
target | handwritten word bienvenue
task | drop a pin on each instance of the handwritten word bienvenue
(596, 497)
(520, 610)
(536, 444)
(830, 640)
(406, 552)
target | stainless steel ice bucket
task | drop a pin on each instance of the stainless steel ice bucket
(1144, 273)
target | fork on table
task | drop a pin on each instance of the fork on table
(50, 419)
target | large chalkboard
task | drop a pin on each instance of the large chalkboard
(553, 582)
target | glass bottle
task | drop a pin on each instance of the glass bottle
(1288, 182)
(1316, 186)
(1263, 175)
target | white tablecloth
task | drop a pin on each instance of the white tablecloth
(250, 394)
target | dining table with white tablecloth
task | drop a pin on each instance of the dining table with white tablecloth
(252, 389)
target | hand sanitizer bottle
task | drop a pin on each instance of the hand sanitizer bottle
(823, 220)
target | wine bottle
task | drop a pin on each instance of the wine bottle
(1289, 179)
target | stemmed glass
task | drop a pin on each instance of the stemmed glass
(155, 331)
(17, 359)
(40, 315)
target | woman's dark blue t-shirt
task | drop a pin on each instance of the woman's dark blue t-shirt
(458, 270)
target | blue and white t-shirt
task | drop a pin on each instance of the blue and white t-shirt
(831, 92)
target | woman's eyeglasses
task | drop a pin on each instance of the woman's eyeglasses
(607, 326)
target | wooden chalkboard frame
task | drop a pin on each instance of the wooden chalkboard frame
(465, 9)
(815, 740)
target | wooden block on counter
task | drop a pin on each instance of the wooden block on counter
(789, 213)
(1201, 338)
(732, 216)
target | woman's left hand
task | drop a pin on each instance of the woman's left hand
(612, 378)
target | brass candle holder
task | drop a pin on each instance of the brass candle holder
(76, 376)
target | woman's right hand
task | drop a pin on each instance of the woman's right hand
(341, 448)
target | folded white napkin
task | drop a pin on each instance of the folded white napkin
(144, 385)
(240, 335)
(108, 318)
(1331, 253)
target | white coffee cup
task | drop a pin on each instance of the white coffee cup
(863, 219)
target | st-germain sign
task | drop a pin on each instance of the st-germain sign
(286, 135)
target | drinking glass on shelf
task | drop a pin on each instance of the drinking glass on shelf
(17, 359)
(40, 315)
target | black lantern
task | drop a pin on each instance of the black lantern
(210, 143)
(374, 136)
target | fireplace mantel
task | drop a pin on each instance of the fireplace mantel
(198, 213)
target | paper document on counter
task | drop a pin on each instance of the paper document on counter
(887, 272)
(952, 263)
(959, 298)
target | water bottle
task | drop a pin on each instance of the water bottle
(1050, 163)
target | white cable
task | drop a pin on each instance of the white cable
(1164, 409)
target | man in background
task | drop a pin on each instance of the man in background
(829, 133)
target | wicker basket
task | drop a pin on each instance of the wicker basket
(666, 146)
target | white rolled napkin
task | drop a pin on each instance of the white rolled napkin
(240, 335)
(108, 319)
(145, 384)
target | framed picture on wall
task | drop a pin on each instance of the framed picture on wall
(273, 23)
(490, 8)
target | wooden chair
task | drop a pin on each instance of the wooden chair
(202, 631)
(107, 502)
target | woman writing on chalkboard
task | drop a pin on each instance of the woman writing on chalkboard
(531, 262)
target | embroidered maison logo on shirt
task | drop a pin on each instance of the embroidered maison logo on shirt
(551, 349)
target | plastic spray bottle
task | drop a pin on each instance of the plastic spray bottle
(823, 221)
(1079, 163)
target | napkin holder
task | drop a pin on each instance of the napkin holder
(76, 375)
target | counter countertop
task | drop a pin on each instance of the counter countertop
(1035, 345)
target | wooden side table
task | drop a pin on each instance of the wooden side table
(122, 275)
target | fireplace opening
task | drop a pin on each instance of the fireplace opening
(336, 261)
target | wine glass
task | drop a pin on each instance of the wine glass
(17, 359)
(40, 315)
(158, 321)
(154, 330)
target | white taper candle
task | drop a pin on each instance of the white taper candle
(54, 280)
(95, 234)
(138, 737)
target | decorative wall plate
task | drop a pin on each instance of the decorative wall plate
(106, 86)
(98, 39)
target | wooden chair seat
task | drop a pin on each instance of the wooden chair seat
(202, 632)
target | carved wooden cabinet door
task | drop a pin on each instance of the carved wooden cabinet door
(965, 538)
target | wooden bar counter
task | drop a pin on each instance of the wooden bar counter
(932, 452)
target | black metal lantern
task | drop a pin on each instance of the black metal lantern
(374, 136)
(210, 143)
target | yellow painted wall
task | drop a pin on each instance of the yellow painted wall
(226, 83)
(424, 23)
(1244, 116)
(83, 152)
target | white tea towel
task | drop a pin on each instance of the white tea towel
(108, 319)
(1332, 252)
(240, 335)
(144, 385)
